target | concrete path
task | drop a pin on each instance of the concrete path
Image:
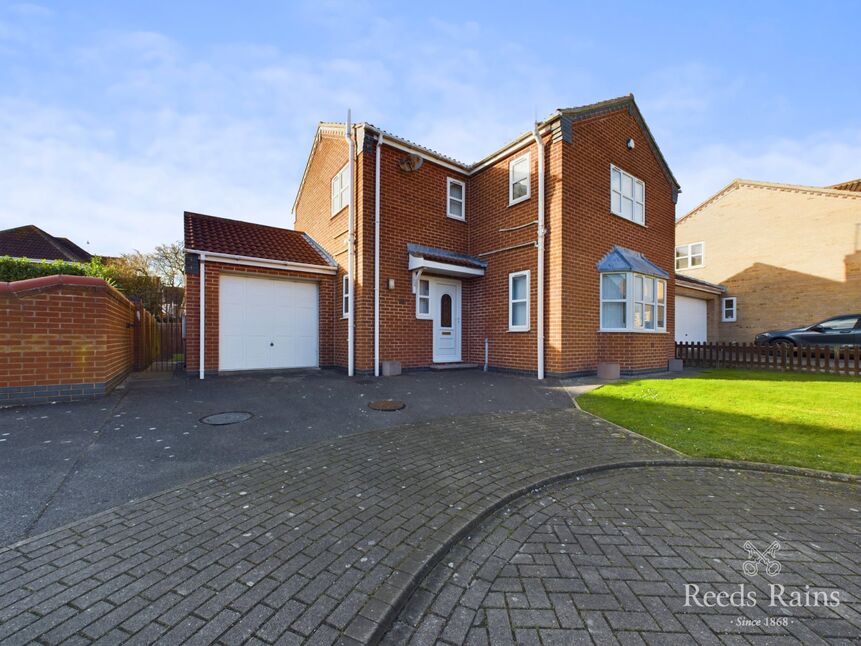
(66, 461)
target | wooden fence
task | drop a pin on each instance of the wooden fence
(147, 340)
(844, 360)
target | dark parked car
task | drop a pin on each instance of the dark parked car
(838, 330)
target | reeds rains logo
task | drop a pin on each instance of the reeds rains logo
(760, 562)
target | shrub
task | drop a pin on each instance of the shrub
(147, 288)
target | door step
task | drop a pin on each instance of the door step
(454, 366)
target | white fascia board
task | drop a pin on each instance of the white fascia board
(232, 259)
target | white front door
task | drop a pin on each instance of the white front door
(691, 320)
(445, 310)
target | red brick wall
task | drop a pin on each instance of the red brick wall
(412, 210)
(64, 330)
(213, 272)
(488, 191)
(314, 216)
(591, 231)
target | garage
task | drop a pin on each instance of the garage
(691, 320)
(267, 324)
(257, 297)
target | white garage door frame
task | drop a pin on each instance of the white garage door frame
(692, 321)
(267, 323)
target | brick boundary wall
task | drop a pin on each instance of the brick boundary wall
(63, 338)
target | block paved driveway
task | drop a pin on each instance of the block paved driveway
(62, 462)
(607, 560)
(330, 542)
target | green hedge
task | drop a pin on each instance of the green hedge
(146, 288)
(12, 269)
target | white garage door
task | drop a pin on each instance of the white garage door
(266, 324)
(691, 320)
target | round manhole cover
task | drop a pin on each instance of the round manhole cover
(386, 404)
(223, 419)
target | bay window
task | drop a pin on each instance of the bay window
(633, 302)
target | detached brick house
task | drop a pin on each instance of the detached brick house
(784, 256)
(548, 256)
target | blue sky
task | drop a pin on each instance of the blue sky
(115, 117)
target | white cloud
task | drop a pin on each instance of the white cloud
(820, 159)
(128, 129)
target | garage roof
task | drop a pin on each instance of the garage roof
(238, 238)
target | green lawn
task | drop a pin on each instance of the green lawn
(803, 420)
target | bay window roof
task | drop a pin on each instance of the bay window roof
(622, 259)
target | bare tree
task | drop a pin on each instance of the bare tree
(167, 262)
(134, 262)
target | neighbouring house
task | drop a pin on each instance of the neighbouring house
(782, 255)
(29, 241)
(550, 255)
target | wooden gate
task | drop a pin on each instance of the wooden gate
(159, 340)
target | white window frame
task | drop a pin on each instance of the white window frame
(511, 301)
(511, 200)
(629, 303)
(345, 296)
(723, 303)
(340, 187)
(450, 197)
(634, 182)
(420, 297)
(689, 255)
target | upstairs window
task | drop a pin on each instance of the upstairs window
(518, 179)
(633, 302)
(690, 256)
(627, 196)
(341, 189)
(456, 199)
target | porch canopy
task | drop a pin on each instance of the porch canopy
(441, 261)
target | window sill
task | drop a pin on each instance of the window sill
(690, 268)
(424, 317)
(631, 331)
(518, 329)
(454, 217)
(622, 217)
(518, 200)
(337, 213)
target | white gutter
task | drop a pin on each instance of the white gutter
(351, 251)
(234, 259)
(377, 258)
(541, 233)
(202, 313)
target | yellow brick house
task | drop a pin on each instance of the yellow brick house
(776, 256)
